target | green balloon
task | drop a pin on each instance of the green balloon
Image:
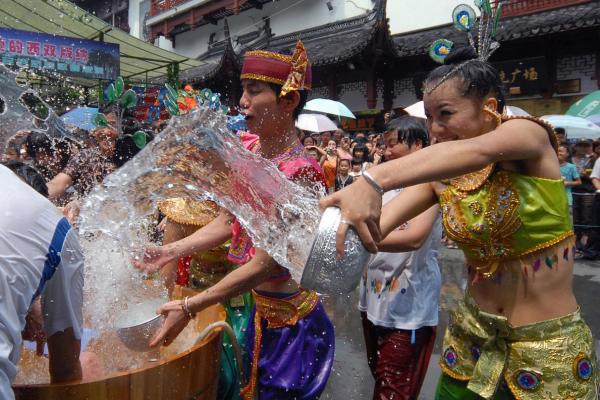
(129, 99)
(100, 120)
(112, 94)
(119, 86)
(139, 138)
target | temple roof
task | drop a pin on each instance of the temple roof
(330, 43)
(528, 26)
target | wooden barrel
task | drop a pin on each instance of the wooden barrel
(193, 373)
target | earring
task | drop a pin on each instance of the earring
(497, 117)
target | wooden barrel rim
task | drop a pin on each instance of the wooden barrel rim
(211, 336)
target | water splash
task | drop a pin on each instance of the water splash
(197, 157)
(18, 102)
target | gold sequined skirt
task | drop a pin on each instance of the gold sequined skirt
(552, 359)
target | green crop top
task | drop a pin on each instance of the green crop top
(495, 215)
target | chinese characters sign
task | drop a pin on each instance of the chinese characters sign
(364, 122)
(69, 56)
(529, 75)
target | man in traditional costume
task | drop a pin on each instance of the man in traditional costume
(290, 339)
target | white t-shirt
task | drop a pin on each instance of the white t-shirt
(596, 170)
(401, 290)
(39, 255)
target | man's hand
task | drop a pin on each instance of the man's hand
(175, 321)
(154, 258)
(34, 327)
(71, 211)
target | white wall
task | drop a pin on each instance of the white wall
(404, 92)
(414, 15)
(582, 67)
(286, 16)
(134, 18)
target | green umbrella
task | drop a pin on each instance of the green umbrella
(589, 105)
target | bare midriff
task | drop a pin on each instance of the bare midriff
(525, 296)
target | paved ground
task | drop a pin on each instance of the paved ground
(351, 379)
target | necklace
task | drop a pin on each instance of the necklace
(290, 151)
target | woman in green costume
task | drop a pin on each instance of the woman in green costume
(518, 332)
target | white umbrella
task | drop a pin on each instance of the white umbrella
(416, 110)
(513, 110)
(576, 127)
(329, 107)
(315, 123)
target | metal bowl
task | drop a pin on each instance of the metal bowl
(324, 271)
(136, 325)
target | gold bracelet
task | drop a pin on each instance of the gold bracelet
(186, 309)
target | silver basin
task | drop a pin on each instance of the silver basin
(323, 271)
(136, 325)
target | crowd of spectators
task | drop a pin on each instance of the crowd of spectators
(343, 156)
(71, 168)
(580, 170)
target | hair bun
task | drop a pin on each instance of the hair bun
(459, 55)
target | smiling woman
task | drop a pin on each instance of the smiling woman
(497, 180)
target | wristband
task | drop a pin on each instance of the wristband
(371, 181)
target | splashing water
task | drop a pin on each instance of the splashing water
(18, 103)
(197, 157)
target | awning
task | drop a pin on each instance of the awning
(140, 61)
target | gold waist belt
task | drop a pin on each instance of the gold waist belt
(278, 313)
(549, 359)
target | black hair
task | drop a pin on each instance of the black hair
(106, 108)
(409, 130)
(356, 161)
(15, 146)
(38, 141)
(560, 130)
(584, 143)
(479, 78)
(307, 137)
(344, 159)
(29, 175)
(365, 151)
(360, 141)
(125, 147)
(566, 146)
(303, 97)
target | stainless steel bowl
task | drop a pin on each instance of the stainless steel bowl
(323, 271)
(136, 325)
